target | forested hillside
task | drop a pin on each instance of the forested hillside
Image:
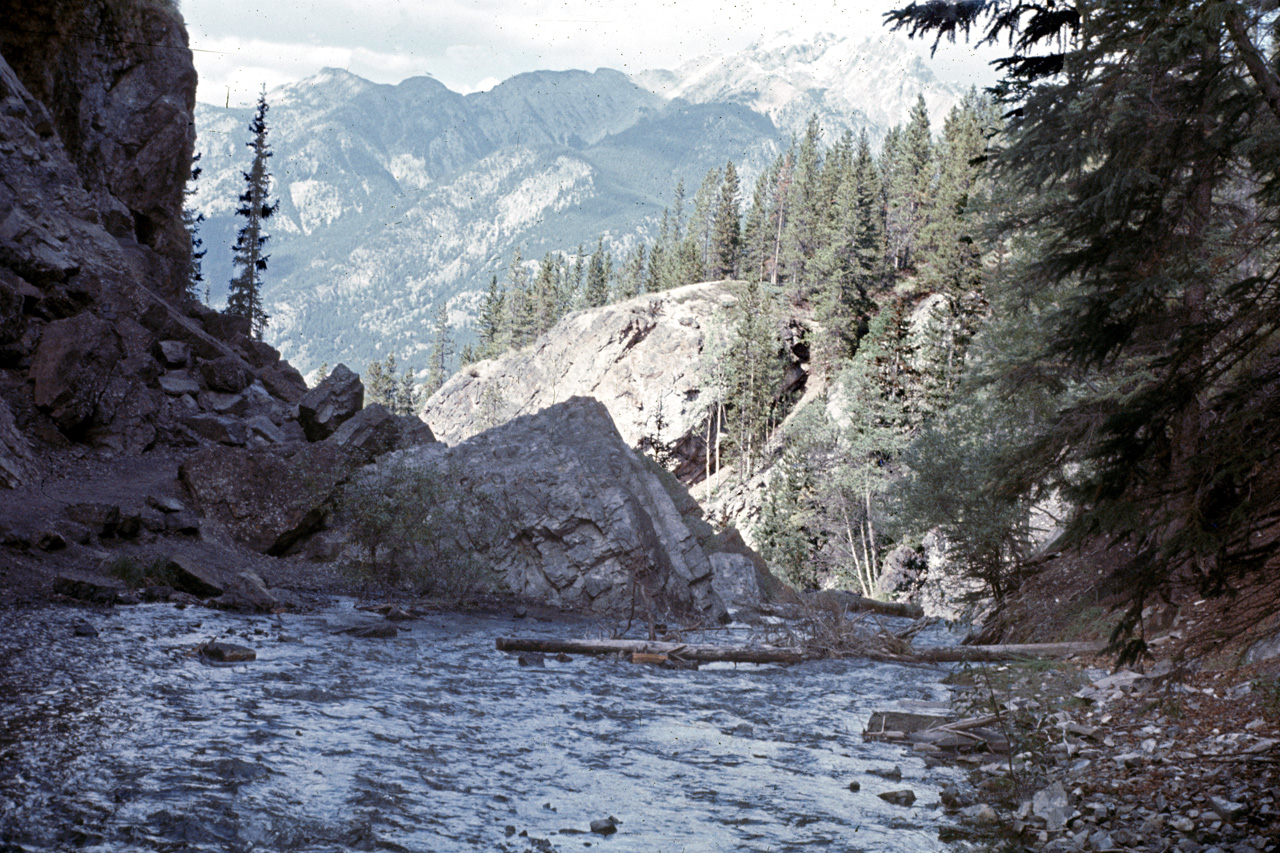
(1056, 311)
(858, 285)
(396, 200)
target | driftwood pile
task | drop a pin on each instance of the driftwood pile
(930, 732)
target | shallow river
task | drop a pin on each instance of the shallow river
(431, 741)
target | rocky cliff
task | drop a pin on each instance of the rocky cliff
(98, 98)
(98, 346)
(650, 360)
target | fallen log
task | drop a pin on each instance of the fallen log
(773, 654)
(686, 651)
(1007, 651)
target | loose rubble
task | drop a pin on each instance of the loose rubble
(1088, 760)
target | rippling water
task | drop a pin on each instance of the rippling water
(431, 741)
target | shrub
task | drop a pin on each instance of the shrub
(411, 527)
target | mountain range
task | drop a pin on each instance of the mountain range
(395, 198)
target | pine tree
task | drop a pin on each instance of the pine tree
(441, 353)
(380, 382)
(657, 263)
(840, 290)
(909, 176)
(673, 255)
(779, 211)
(698, 240)
(1143, 142)
(756, 237)
(546, 295)
(869, 243)
(492, 322)
(597, 292)
(192, 218)
(408, 396)
(574, 293)
(245, 299)
(521, 316)
(754, 369)
(726, 229)
(805, 202)
(949, 256)
(634, 273)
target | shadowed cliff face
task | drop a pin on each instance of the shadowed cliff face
(110, 86)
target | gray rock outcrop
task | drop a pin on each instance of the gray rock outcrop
(561, 511)
(374, 431)
(331, 403)
(649, 360)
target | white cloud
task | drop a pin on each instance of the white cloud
(241, 44)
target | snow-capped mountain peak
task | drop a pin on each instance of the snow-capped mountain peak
(871, 83)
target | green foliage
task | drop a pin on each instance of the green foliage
(1268, 689)
(136, 574)
(828, 502)
(1142, 161)
(383, 385)
(403, 515)
(952, 466)
(789, 531)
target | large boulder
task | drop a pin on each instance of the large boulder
(374, 431)
(331, 403)
(261, 497)
(72, 368)
(562, 511)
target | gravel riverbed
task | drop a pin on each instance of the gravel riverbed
(1165, 760)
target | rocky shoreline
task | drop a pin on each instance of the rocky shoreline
(1169, 759)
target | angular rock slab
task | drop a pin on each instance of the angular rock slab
(374, 431)
(263, 498)
(72, 367)
(331, 403)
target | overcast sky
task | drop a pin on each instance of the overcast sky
(239, 45)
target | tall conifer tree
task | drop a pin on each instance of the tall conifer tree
(1144, 141)
(726, 229)
(256, 207)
